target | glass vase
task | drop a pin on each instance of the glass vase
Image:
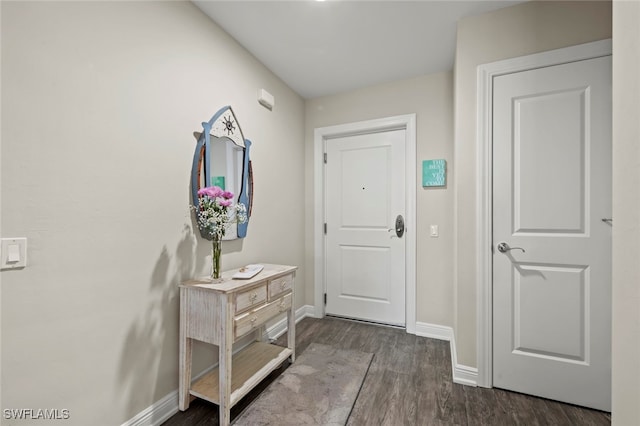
(216, 252)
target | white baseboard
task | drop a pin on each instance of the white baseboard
(157, 413)
(434, 331)
(462, 374)
(160, 411)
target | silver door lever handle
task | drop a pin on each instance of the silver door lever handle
(504, 247)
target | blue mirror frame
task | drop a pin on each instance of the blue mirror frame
(224, 125)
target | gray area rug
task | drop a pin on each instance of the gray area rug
(319, 388)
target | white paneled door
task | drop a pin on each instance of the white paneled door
(552, 232)
(364, 197)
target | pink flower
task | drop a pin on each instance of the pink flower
(227, 194)
(210, 191)
(225, 203)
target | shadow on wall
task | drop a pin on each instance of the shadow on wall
(148, 369)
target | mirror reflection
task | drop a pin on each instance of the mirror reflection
(226, 172)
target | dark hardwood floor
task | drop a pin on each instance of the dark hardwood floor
(409, 383)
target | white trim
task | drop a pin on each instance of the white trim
(434, 331)
(461, 374)
(484, 167)
(158, 412)
(465, 375)
(407, 122)
(318, 223)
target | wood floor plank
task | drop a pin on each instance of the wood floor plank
(401, 401)
(426, 378)
(368, 411)
(553, 414)
(370, 393)
(197, 412)
(585, 417)
(409, 383)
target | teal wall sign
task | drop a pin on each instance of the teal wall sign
(218, 181)
(434, 173)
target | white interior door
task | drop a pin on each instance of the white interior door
(551, 192)
(365, 258)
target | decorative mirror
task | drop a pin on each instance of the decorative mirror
(221, 158)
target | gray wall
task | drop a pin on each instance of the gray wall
(626, 212)
(99, 103)
(430, 97)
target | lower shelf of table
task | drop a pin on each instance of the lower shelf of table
(248, 368)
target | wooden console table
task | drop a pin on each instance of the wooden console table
(222, 313)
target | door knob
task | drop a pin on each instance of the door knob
(504, 247)
(399, 226)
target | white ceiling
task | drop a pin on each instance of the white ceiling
(323, 48)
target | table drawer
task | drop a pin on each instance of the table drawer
(251, 320)
(250, 298)
(280, 285)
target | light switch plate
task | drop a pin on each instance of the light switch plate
(433, 231)
(13, 253)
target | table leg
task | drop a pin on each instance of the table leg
(186, 346)
(225, 356)
(291, 331)
(184, 357)
(260, 333)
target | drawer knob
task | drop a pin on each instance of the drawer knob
(283, 284)
(253, 321)
(253, 297)
(282, 307)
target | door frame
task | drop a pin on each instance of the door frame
(484, 173)
(401, 122)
